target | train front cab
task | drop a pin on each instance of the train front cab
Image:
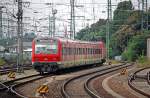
(46, 55)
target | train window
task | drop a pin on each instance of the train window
(90, 51)
(70, 51)
(86, 50)
(67, 51)
(96, 51)
(46, 47)
(75, 51)
(100, 51)
(64, 50)
(82, 51)
(79, 51)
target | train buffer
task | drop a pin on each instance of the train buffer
(43, 89)
(11, 75)
(124, 71)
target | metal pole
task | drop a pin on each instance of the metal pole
(93, 1)
(109, 16)
(146, 14)
(54, 11)
(138, 5)
(49, 26)
(53, 20)
(71, 31)
(142, 20)
(19, 35)
(8, 28)
(1, 23)
(72, 17)
(74, 30)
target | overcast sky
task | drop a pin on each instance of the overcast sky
(84, 12)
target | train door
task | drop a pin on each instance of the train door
(74, 53)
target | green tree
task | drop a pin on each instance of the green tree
(136, 47)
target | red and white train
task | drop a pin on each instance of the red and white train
(50, 54)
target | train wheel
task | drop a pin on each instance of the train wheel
(49, 69)
(55, 68)
(41, 72)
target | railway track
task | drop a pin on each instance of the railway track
(77, 87)
(134, 76)
(148, 77)
(7, 84)
(13, 84)
(7, 70)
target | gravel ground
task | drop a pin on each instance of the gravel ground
(118, 84)
(4, 77)
(144, 72)
(29, 89)
(96, 86)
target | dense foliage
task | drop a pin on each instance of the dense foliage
(126, 36)
(94, 32)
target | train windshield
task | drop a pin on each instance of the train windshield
(46, 47)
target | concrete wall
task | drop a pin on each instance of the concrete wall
(148, 48)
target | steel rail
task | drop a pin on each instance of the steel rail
(141, 76)
(6, 85)
(7, 70)
(13, 87)
(86, 84)
(132, 77)
(148, 77)
(63, 88)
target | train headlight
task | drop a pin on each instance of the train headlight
(32, 63)
(58, 62)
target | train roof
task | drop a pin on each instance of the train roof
(71, 40)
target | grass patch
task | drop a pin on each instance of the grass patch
(114, 62)
(143, 62)
(2, 62)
